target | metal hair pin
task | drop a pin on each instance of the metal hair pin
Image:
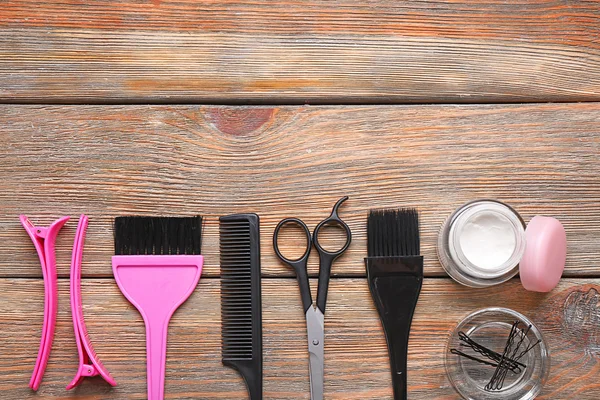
(505, 362)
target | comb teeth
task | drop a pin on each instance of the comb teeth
(157, 235)
(393, 233)
(240, 287)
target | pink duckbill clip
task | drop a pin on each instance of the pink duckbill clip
(44, 240)
(157, 285)
(89, 363)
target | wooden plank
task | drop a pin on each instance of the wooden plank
(292, 161)
(355, 357)
(299, 51)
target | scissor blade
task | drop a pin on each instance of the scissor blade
(316, 336)
(316, 377)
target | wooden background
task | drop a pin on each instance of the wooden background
(161, 107)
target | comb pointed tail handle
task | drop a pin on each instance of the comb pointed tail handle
(395, 284)
(255, 389)
(251, 371)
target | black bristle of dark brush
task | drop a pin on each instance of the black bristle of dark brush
(241, 315)
(392, 233)
(136, 235)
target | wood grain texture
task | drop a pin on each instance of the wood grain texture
(355, 351)
(107, 161)
(299, 51)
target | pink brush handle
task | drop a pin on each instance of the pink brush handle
(157, 286)
(44, 240)
(156, 351)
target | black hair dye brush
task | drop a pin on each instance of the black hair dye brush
(395, 276)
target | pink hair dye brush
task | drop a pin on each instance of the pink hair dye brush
(157, 267)
(89, 363)
(44, 240)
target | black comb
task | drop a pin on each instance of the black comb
(136, 235)
(241, 316)
(395, 276)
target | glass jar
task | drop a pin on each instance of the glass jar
(481, 243)
(491, 328)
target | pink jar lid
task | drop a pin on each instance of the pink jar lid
(545, 254)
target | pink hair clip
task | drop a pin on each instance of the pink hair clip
(89, 363)
(44, 240)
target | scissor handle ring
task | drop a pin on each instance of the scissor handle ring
(333, 219)
(292, 221)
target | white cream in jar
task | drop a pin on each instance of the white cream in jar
(481, 243)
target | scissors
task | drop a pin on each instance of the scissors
(315, 316)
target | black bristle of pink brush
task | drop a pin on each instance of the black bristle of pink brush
(395, 275)
(135, 235)
(241, 315)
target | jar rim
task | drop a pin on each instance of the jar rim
(462, 272)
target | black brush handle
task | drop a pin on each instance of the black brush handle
(395, 284)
